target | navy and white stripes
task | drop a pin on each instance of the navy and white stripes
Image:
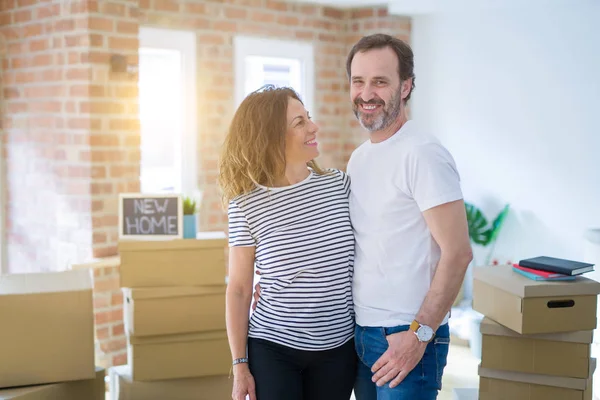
(305, 254)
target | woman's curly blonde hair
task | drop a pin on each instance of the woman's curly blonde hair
(254, 148)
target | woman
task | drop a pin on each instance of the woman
(290, 219)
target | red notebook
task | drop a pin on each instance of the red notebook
(543, 274)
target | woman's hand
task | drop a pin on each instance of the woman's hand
(243, 383)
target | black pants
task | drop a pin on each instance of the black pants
(283, 373)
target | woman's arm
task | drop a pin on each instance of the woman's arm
(239, 295)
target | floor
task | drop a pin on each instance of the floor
(461, 371)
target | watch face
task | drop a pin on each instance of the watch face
(424, 333)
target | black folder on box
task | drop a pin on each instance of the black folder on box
(558, 265)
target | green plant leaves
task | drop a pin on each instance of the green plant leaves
(189, 206)
(477, 225)
(479, 231)
(497, 223)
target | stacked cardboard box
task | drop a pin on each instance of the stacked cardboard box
(174, 314)
(47, 343)
(83, 389)
(536, 335)
(122, 386)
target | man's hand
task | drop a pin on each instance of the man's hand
(256, 293)
(256, 296)
(403, 354)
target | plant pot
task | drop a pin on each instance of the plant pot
(189, 226)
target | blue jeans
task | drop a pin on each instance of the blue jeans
(422, 383)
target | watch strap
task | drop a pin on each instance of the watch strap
(414, 326)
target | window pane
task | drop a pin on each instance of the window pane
(262, 71)
(161, 118)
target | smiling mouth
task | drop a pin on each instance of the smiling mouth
(312, 142)
(369, 107)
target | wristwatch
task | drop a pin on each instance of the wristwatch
(423, 332)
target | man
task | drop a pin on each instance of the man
(412, 244)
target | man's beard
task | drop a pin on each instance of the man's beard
(390, 113)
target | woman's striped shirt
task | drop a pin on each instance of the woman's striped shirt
(305, 254)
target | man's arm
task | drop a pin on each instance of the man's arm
(449, 228)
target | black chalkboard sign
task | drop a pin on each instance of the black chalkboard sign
(150, 216)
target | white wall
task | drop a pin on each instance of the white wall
(515, 96)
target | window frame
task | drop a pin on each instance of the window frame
(185, 43)
(258, 46)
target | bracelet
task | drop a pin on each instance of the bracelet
(239, 361)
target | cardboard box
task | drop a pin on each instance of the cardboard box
(502, 385)
(560, 354)
(174, 310)
(123, 387)
(528, 307)
(176, 262)
(88, 389)
(179, 356)
(47, 328)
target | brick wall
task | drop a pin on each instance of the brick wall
(44, 135)
(112, 101)
(70, 128)
(5, 20)
(108, 314)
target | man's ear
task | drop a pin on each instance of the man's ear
(406, 87)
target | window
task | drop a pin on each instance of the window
(167, 95)
(260, 61)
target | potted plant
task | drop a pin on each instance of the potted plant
(483, 234)
(189, 218)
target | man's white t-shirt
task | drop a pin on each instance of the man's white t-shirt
(392, 183)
